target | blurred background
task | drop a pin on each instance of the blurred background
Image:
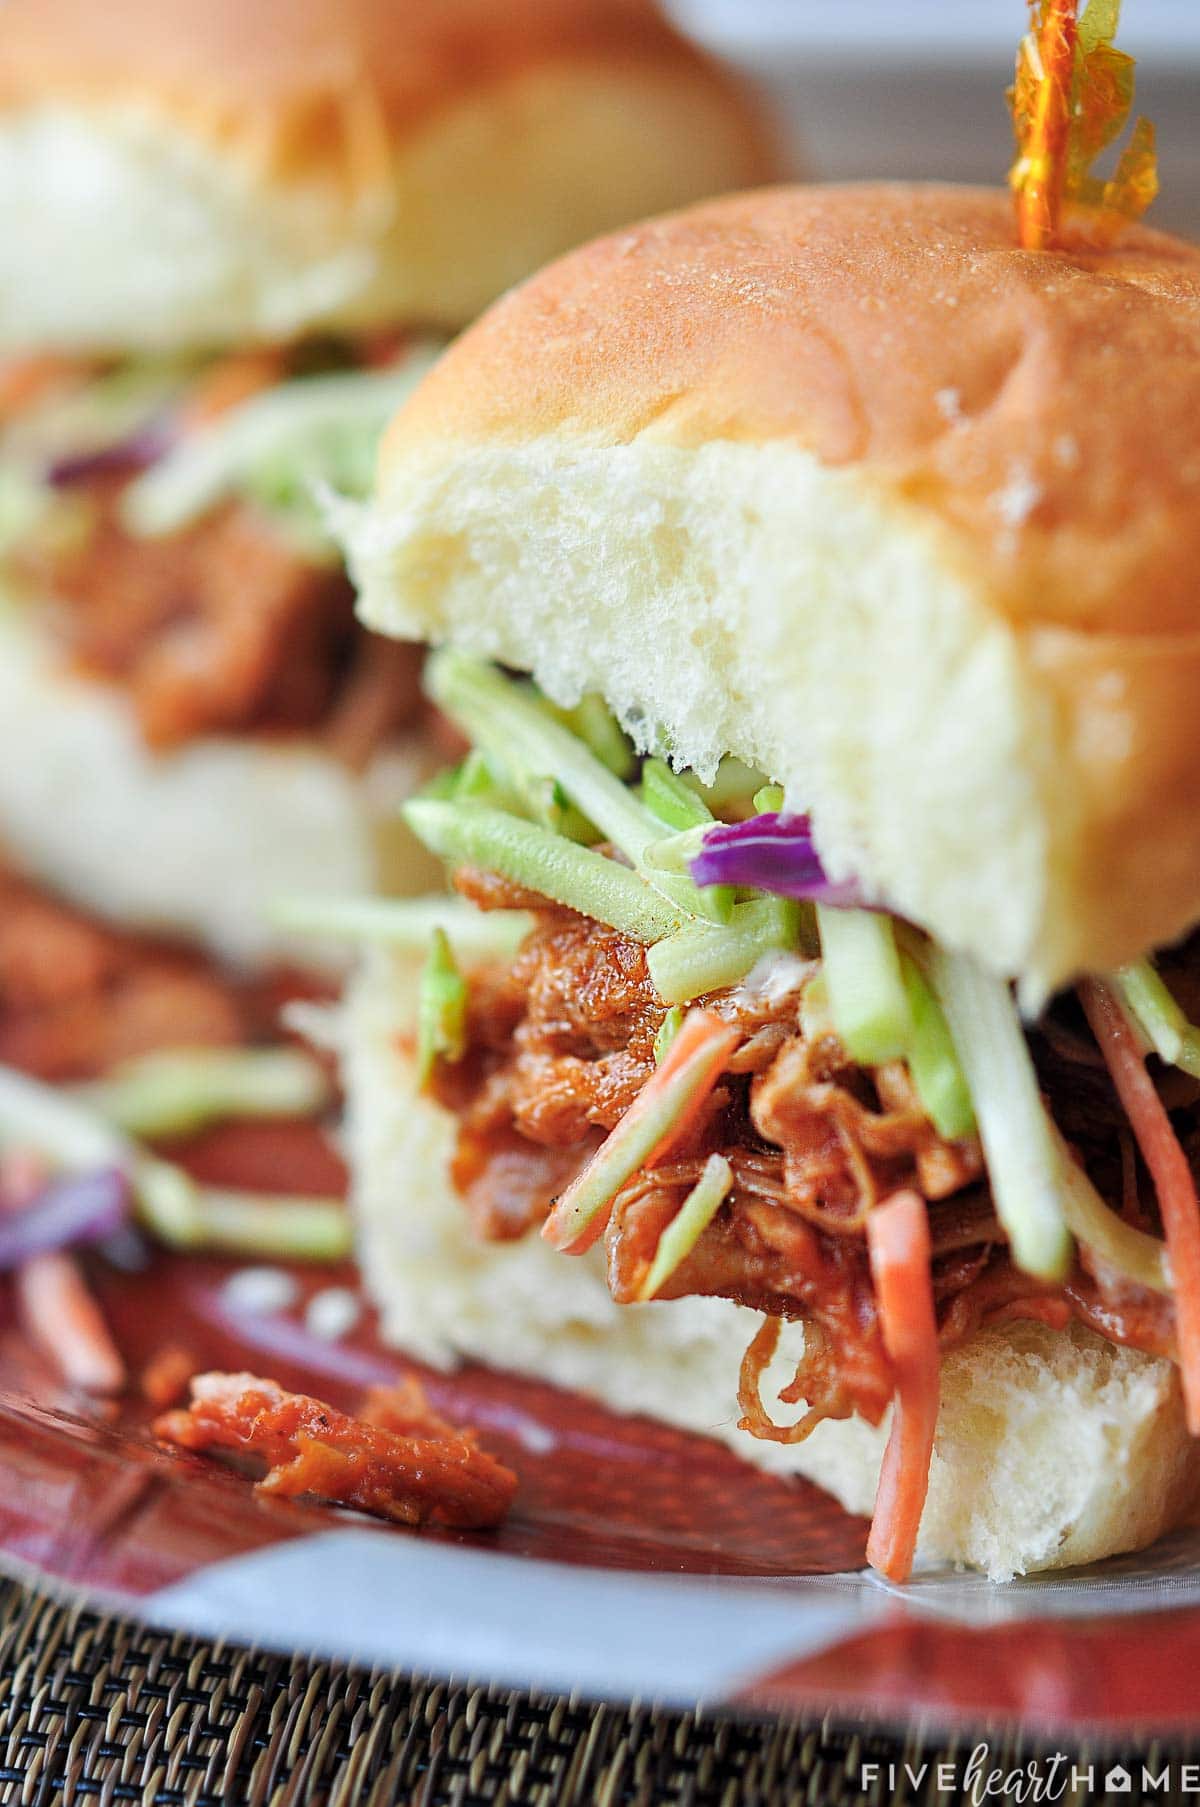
(915, 87)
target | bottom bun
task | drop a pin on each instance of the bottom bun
(198, 842)
(1053, 1448)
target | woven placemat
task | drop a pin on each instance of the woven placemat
(97, 1708)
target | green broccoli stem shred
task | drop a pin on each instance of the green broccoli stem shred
(670, 799)
(936, 1071)
(675, 852)
(406, 922)
(441, 1010)
(593, 722)
(289, 1228)
(499, 716)
(867, 995)
(545, 802)
(668, 1029)
(699, 959)
(1023, 1159)
(677, 805)
(632, 1141)
(176, 1091)
(1159, 1017)
(304, 422)
(168, 1201)
(689, 1224)
(1134, 1254)
(481, 779)
(574, 876)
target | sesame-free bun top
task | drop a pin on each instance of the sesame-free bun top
(175, 172)
(842, 481)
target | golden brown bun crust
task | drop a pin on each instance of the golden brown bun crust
(915, 511)
(1047, 405)
(297, 74)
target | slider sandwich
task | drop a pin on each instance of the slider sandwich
(232, 236)
(813, 576)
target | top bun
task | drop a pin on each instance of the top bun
(842, 481)
(176, 173)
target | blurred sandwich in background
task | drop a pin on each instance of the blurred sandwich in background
(231, 237)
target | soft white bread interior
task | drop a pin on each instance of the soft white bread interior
(199, 842)
(841, 481)
(213, 170)
(1052, 1449)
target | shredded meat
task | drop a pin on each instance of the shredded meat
(77, 997)
(506, 1183)
(767, 1257)
(841, 1154)
(585, 1046)
(223, 625)
(818, 1384)
(219, 626)
(400, 1461)
(560, 1043)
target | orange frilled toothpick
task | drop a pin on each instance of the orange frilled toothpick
(1072, 97)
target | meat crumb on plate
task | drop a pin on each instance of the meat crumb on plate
(164, 1379)
(399, 1461)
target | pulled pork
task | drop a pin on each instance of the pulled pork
(223, 626)
(218, 626)
(78, 997)
(398, 1461)
(560, 1043)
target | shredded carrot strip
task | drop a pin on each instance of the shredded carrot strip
(899, 1248)
(719, 1040)
(52, 1295)
(587, 1238)
(61, 1314)
(1169, 1170)
(704, 1041)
